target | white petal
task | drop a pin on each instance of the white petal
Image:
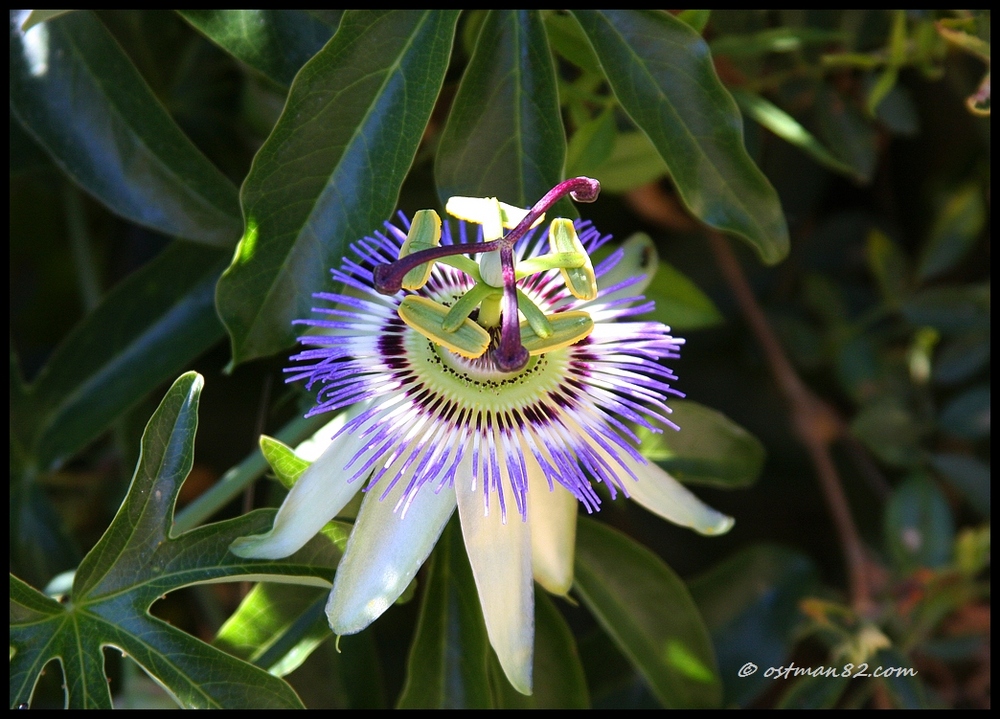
(661, 494)
(500, 555)
(385, 551)
(317, 496)
(552, 517)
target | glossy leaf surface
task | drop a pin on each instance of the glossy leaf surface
(77, 93)
(504, 136)
(331, 170)
(648, 611)
(661, 72)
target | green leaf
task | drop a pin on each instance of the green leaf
(591, 146)
(449, 657)
(846, 130)
(504, 136)
(662, 74)
(968, 475)
(769, 115)
(277, 626)
(779, 39)
(647, 610)
(918, 527)
(559, 682)
(815, 693)
(145, 330)
(633, 162)
(276, 43)
(135, 563)
(80, 97)
(889, 429)
(961, 356)
(709, 448)
(697, 19)
(905, 692)
(890, 267)
(968, 414)
(750, 604)
(680, 304)
(950, 309)
(36, 17)
(331, 170)
(287, 465)
(955, 231)
(569, 41)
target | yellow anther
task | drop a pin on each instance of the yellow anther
(567, 328)
(425, 232)
(580, 281)
(428, 318)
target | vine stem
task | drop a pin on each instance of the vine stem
(813, 421)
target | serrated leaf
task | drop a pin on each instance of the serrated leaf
(709, 448)
(504, 137)
(135, 563)
(661, 72)
(276, 43)
(448, 664)
(145, 330)
(680, 303)
(750, 604)
(77, 93)
(558, 679)
(331, 170)
(648, 611)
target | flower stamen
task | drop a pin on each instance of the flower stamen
(495, 290)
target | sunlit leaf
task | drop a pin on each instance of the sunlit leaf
(135, 563)
(661, 72)
(649, 613)
(504, 136)
(331, 170)
(750, 604)
(80, 97)
(788, 129)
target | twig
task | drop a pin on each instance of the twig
(815, 423)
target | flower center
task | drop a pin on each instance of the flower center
(468, 328)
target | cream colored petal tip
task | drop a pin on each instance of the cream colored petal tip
(384, 553)
(661, 494)
(500, 555)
